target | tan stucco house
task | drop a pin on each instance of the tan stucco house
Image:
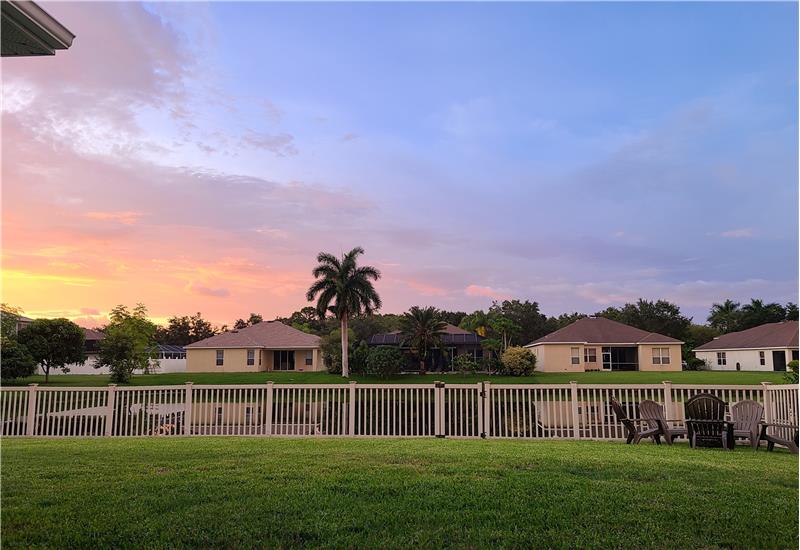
(269, 345)
(766, 347)
(597, 343)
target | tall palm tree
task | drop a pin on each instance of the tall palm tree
(422, 329)
(725, 316)
(345, 289)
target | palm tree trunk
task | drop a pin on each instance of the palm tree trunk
(345, 349)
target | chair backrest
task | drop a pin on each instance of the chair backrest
(705, 406)
(746, 414)
(652, 412)
(618, 410)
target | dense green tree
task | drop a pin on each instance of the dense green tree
(518, 361)
(563, 320)
(365, 326)
(697, 335)
(791, 312)
(757, 313)
(129, 343)
(184, 330)
(660, 316)
(422, 330)
(331, 348)
(525, 315)
(345, 289)
(53, 344)
(15, 360)
(384, 361)
(477, 322)
(725, 317)
(452, 317)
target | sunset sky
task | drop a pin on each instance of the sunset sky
(197, 157)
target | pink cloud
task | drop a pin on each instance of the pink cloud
(487, 292)
(125, 218)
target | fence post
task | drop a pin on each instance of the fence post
(187, 410)
(31, 420)
(268, 418)
(487, 409)
(668, 412)
(351, 414)
(439, 408)
(112, 391)
(576, 417)
(481, 397)
(767, 402)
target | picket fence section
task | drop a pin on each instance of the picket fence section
(528, 411)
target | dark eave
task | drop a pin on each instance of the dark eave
(27, 29)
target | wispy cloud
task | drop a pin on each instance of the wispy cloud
(742, 233)
(125, 218)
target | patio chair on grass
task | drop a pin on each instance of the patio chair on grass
(746, 416)
(633, 426)
(781, 433)
(653, 413)
(706, 424)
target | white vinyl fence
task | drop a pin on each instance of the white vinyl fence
(562, 411)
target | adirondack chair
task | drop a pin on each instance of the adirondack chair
(706, 424)
(784, 434)
(633, 426)
(746, 416)
(653, 413)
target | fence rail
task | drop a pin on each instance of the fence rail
(529, 411)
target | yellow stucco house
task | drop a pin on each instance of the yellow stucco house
(596, 343)
(265, 346)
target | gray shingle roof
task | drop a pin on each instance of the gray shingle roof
(770, 335)
(267, 334)
(599, 330)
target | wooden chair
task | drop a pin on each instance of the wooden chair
(653, 413)
(635, 433)
(783, 434)
(706, 424)
(746, 416)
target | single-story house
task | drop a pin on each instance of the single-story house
(455, 341)
(265, 346)
(766, 348)
(597, 343)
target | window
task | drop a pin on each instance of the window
(761, 359)
(283, 360)
(661, 356)
(251, 357)
(219, 415)
(590, 355)
(248, 415)
(220, 357)
(309, 358)
(721, 358)
(576, 356)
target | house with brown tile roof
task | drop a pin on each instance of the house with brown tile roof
(766, 347)
(597, 343)
(265, 346)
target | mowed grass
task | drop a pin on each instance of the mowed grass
(245, 492)
(679, 377)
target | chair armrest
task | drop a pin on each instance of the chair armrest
(780, 425)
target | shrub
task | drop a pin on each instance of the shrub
(465, 364)
(384, 361)
(358, 358)
(491, 364)
(16, 361)
(518, 361)
(694, 363)
(791, 372)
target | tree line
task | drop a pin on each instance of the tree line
(346, 314)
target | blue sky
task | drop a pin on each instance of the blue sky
(581, 155)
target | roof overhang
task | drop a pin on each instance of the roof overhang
(267, 348)
(27, 29)
(608, 344)
(762, 348)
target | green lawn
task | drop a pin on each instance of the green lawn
(683, 377)
(245, 492)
